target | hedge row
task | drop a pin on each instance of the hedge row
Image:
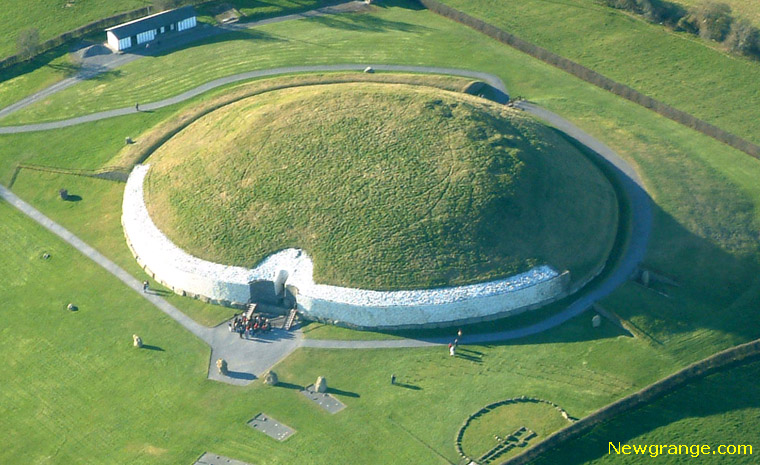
(594, 78)
(696, 370)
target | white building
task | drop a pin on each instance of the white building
(153, 27)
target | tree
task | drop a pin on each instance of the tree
(713, 20)
(742, 38)
(28, 43)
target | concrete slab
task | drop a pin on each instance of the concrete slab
(324, 400)
(271, 427)
(214, 459)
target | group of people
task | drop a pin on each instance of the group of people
(247, 327)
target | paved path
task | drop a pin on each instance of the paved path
(492, 80)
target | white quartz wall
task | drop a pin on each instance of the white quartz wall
(355, 307)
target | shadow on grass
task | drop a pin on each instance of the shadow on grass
(340, 392)
(296, 387)
(408, 386)
(150, 347)
(73, 198)
(240, 375)
(365, 23)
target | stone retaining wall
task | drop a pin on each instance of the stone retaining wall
(359, 308)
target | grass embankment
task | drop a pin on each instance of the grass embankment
(386, 186)
(76, 388)
(720, 409)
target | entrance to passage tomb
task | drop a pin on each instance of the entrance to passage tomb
(273, 292)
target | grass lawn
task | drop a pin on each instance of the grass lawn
(721, 409)
(678, 69)
(111, 403)
(385, 186)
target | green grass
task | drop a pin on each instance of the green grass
(385, 186)
(101, 227)
(678, 69)
(111, 403)
(720, 409)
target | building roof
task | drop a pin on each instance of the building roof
(153, 21)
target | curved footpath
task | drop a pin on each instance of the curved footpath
(250, 358)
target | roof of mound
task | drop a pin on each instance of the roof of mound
(153, 21)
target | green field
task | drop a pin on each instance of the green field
(111, 403)
(56, 407)
(678, 69)
(721, 409)
(385, 186)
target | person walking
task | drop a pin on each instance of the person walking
(146, 286)
(137, 106)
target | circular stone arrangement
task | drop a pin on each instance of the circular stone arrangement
(386, 187)
(495, 439)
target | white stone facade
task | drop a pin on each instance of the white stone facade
(230, 285)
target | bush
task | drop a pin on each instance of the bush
(743, 38)
(28, 43)
(713, 20)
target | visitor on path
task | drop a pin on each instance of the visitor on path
(459, 334)
(393, 379)
(451, 349)
(137, 106)
(146, 286)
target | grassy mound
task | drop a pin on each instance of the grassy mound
(386, 186)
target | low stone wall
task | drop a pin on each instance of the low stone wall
(359, 308)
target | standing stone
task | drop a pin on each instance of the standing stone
(279, 282)
(321, 385)
(645, 278)
(137, 340)
(64, 193)
(596, 321)
(221, 365)
(271, 378)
